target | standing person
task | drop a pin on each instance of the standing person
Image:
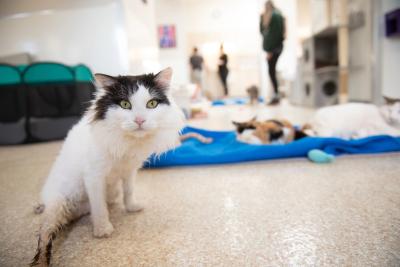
(223, 68)
(196, 74)
(272, 28)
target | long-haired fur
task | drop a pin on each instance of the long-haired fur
(108, 145)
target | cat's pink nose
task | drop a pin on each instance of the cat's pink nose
(139, 120)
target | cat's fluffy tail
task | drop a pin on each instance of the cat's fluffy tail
(54, 218)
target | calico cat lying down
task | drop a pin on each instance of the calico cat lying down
(346, 121)
(130, 118)
(267, 132)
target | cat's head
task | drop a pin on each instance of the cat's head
(391, 113)
(252, 91)
(137, 105)
(246, 125)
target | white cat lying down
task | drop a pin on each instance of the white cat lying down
(355, 120)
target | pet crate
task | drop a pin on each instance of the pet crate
(12, 106)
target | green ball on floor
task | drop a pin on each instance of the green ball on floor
(319, 156)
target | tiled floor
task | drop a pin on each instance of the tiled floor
(275, 213)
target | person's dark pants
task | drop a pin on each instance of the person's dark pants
(272, 68)
(223, 75)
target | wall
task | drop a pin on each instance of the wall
(390, 51)
(141, 32)
(232, 22)
(120, 36)
(236, 24)
(93, 34)
(172, 12)
(303, 19)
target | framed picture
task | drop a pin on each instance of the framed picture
(167, 36)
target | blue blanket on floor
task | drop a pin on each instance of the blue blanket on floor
(234, 101)
(226, 149)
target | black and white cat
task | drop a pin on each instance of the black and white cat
(130, 118)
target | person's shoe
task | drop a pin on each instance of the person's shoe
(274, 101)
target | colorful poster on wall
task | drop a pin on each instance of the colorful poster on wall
(167, 36)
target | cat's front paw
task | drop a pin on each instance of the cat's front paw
(103, 230)
(133, 207)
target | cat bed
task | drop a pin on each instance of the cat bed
(234, 101)
(12, 106)
(226, 149)
(82, 73)
(41, 101)
(52, 100)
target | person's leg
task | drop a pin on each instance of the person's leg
(272, 71)
(225, 82)
(197, 80)
(272, 60)
(222, 75)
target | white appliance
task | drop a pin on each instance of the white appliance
(317, 89)
(317, 80)
(326, 86)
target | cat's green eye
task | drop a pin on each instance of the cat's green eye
(125, 104)
(152, 103)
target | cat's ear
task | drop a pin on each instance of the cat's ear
(389, 101)
(105, 80)
(235, 123)
(163, 78)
